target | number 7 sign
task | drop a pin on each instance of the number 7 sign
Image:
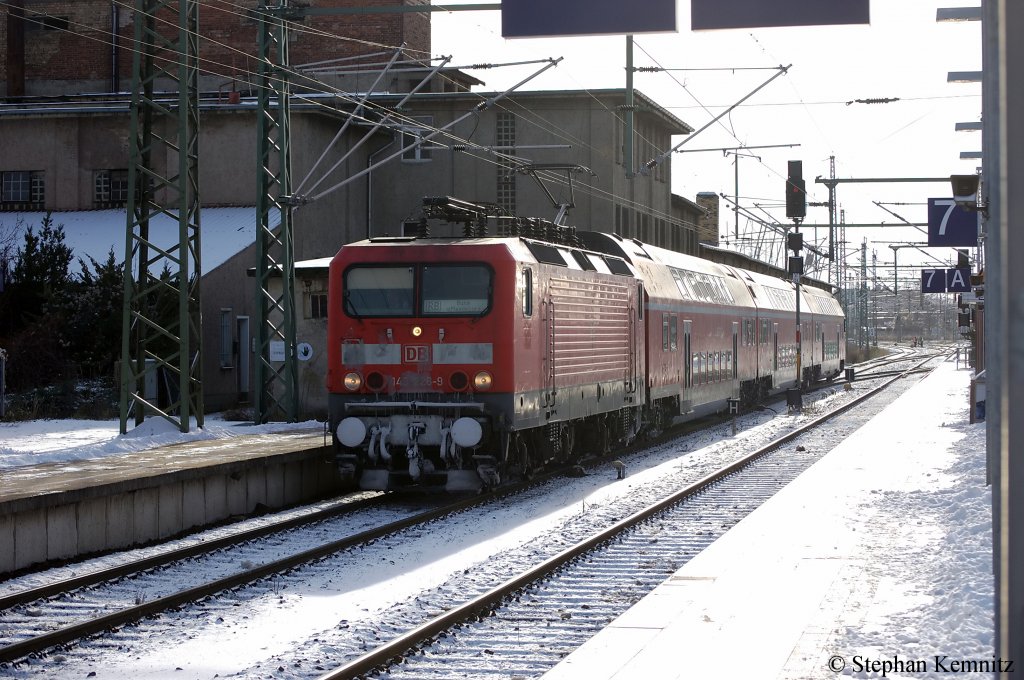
(933, 280)
(951, 225)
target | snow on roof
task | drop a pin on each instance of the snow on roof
(318, 263)
(92, 233)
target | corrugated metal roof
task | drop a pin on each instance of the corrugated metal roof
(92, 233)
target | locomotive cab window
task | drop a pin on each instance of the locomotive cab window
(456, 290)
(379, 291)
(436, 290)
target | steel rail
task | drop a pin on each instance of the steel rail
(19, 650)
(486, 603)
(132, 614)
(155, 561)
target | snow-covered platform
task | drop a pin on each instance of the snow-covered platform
(60, 510)
(778, 595)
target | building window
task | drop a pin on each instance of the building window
(226, 339)
(22, 189)
(505, 140)
(318, 305)
(623, 225)
(48, 22)
(413, 135)
(111, 188)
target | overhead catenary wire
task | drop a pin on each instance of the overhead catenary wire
(527, 115)
(208, 66)
(232, 70)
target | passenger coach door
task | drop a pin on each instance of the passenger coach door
(775, 346)
(735, 349)
(687, 359)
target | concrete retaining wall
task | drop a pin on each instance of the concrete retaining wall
(114, 516)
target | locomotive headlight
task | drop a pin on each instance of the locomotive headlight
(483, 381)
(417, 331)
(353, 381)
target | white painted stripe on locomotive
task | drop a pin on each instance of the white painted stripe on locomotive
(355, 354)
(358, 354)
(464, 353)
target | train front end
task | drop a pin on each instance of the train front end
(419, 358)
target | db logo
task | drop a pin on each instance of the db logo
(416, 354)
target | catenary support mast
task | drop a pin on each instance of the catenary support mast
(277, 385)
(161, 334)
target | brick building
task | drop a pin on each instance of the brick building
(65, 47)
(65, 151)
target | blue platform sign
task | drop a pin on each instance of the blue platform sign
(933, 280)
(957, 280)
(951, 225)
(711, 14)
(546, 18)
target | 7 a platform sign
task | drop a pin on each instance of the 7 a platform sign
(956, 280)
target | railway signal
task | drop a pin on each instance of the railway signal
(796, 191)
(796, 209)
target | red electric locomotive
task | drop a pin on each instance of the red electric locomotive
(459, 362)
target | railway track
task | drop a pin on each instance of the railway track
(527, 624)
(58, 612)
(33, 621)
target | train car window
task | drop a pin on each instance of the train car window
(545, 253)
(664, 332)
(583, 260)
(673, 334)
(456, 290)
(617, 266)
(379, 291)
(679, 284)
(527, 292)
(698, 287)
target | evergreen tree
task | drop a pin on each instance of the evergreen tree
(31, 308)
(41, 273)
(92, 314)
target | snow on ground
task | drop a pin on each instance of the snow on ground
(931, 542)
(32, 442)
(927, 588)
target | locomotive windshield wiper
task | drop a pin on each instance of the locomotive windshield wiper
(350, 308)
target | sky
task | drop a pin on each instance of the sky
(903, 54)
